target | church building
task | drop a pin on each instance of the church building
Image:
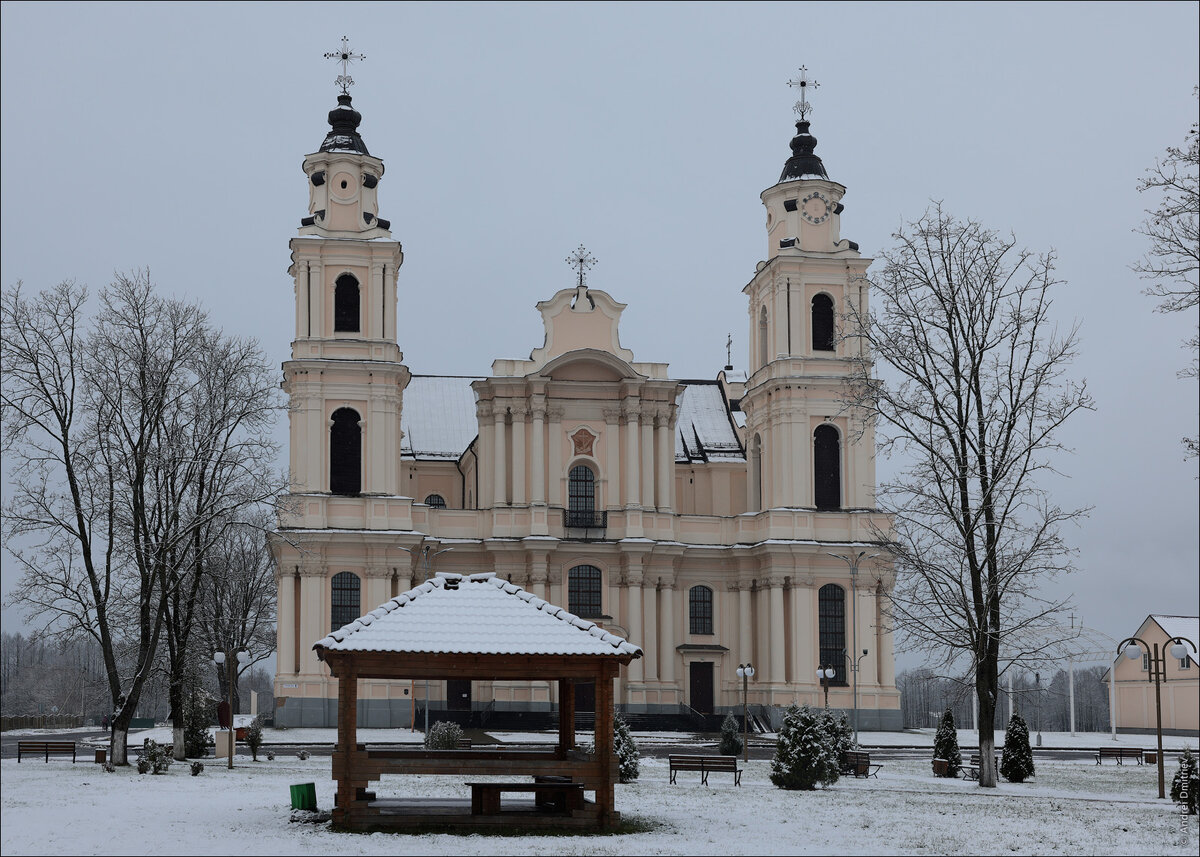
(713, 523)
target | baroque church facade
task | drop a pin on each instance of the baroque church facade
(711, 522)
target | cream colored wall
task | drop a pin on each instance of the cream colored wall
(1135, 703)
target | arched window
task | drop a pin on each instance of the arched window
(437, 501)
(756, 471)
(700, 610)
(827, 468)
(822, 323)
(345, 305)
(762, 337)
(583, 590)
(345, 452)
(832, 607)
(347, 606)
(581, 496)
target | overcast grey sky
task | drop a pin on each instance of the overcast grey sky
(171, 136)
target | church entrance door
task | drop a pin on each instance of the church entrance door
(702, 687)
(458, 694)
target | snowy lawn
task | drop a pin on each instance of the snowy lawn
(1069, 808)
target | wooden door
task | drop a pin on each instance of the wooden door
(458, 694)
(702, 686)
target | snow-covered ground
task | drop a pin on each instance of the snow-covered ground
(1068, 808)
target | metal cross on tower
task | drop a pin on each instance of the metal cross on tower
(345, 57)
(803, 84)
(582, 260)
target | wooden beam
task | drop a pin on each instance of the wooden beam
(566, 714)
(605, 789)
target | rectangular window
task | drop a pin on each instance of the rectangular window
(1185, 663)
(1145, 662)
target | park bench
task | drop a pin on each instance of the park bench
(858, 763)
(706, 765)
(1118, 753)
(46, 748)
(559, 795)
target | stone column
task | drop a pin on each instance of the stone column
(753, 480)
(650, 631)
(646, 444)
(518, 469)
(632, 457)
(804, 624)
(665, 458)
(554, 469)
(499, 483)
(537, 490)
(745, 640)
(285, 638)
(887, 677)
(777, 652)
(612, 463)
(633, 581)
(485, 447)
(314, 615)
(666, 629)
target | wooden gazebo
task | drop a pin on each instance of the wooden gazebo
(477, 627)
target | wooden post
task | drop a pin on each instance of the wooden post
(566, 715)
(605, 788)
(347, 722)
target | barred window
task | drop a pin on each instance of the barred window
(831, 602)
(347, 606)
(581, 489)
(700, 609)
(583, 590)
(437, 501)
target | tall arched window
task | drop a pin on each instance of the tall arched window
(583, 590)
(756, 471)
(437, 501)
(832, 610)
(762, 337)
(822, 323)
(581, 496)
(700, 610)
(827, 468)
(346, 601)
(345, 452)
(345, 305)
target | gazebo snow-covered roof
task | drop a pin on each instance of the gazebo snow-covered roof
(475, 627)
(476, 614)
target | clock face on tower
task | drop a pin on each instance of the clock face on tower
(816, 207)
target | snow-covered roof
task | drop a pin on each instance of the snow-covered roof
(479, 614)
(704, 431)
(438, 417)
(1187, 627)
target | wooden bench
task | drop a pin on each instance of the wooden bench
(706, 765)
(1118, 753)
(858, 763)
(46, 748)
(561, 796)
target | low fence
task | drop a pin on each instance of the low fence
(59, 721)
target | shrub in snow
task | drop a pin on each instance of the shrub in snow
(254, 737)
(302, 755)
(731, 740)
(197, 768)
(270, 755)
(840, 732)
(109, 768)
(153, 758)
(805, 753)
(945, 744)
(1186, 783)
(1016, 764)
(443, 735)
(626, 748)
(196, 720)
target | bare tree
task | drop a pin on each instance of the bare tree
(979, 393)
(1173, 227)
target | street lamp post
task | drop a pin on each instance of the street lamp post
(745, 673)
(825, 673)
(853, 563)
(231, 672)
(1132, 648)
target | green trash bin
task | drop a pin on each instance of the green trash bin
(304, 796)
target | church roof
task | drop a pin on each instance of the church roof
(804, 162)
(438, 417)
(479, 614)
(704, 429)
(1187, 627)
(343, 129)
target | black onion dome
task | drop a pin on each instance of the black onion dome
(343, 134)
(803, 163)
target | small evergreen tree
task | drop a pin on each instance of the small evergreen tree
(196, 720)
(805, 753)
(153, 758)
(626, 748)
(254, 737)
(731, 738)
(1016, 764)
(945, 744)
(840, 732)
(1186, 782)
(443, 735)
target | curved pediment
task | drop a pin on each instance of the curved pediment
(589, 364)
(580, 319)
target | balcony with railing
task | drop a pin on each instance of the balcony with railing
(587, 520)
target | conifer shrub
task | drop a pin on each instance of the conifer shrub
(302, 755)
(197, 717)
(805, 754)
(731, 739)
(254, 737)
(153, 758)
(1186, 782)
(628, 755)
(197, 768)
(945, 744)
(1016, 764)
(841, 733)
(443, 735)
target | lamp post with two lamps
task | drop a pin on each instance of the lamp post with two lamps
(745, 673)
(853, 563)
(1132, 648)
(825, 674)
(231, 661)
